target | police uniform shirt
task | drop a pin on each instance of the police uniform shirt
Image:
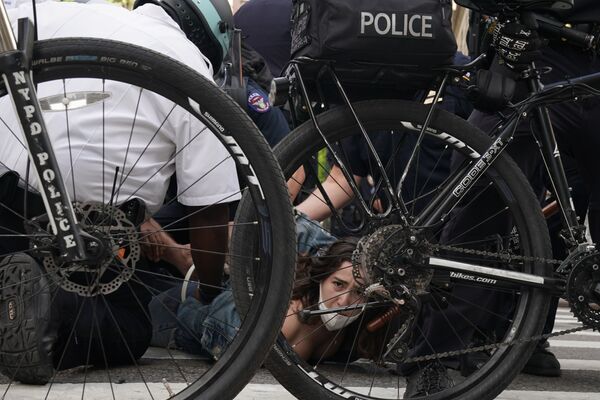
(148, 26)
(265, 25)
(270, 120)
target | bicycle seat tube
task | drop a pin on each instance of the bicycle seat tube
(546, 140)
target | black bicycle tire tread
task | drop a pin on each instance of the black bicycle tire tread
(242, 370)
(304, 387)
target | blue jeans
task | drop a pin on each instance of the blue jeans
(311, 237)
(206, 329)
(194, 327)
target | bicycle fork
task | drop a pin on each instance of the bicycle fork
(15, 61)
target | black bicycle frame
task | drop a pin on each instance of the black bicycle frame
(551, 155)
(442, 204)
(546, 140)
(15, 66)
(304, 92)
(545, 137)
(448, 197)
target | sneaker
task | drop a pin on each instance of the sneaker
(542, 363)
(430, 379)
(25, 340)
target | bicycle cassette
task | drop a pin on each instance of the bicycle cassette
(583, 290)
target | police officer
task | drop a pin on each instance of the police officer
(270, 120)
(575, 125)
(265, 25)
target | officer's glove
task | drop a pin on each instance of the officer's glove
(516, 44)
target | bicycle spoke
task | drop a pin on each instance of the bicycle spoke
(72, 170)
(477, 306)
(89, 349)
(104, 147)
(437, 220)
(354, 342)
(103, 350)
(155, 292)
(318, 328)
(168, 162)
(481, 223)
(67, 343)
(134, 119)
(148, 317)
(124, 340)
(108, 164)
(378, 361)
(145, 148)
(445, 317)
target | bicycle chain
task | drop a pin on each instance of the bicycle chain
(501, 256)
(493, 346)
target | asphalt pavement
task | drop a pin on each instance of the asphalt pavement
(578, 353)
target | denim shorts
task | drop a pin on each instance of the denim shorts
(191, 326)
(311, 237)
(207, 328)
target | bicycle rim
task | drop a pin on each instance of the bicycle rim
(467, 313)
(82, 86)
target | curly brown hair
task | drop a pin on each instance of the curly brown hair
(312, 270)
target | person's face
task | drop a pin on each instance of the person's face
(341, 290)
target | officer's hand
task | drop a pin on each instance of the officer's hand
(154, 240)
(517, 44)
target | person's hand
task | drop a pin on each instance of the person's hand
(159, 245)
(516, 44)
(153, 239)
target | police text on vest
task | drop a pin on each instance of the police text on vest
(393, 24)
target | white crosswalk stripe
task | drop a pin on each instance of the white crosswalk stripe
(575, 343)
(138, 391)
(579, 365)
(581, 333)
(565, 320)
(570, 348)
(583, 339)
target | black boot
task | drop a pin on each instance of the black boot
(542, 362)
(25, 338)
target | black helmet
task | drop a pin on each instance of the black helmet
(206, 23)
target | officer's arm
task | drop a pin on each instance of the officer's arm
(337, 189)
(208, 239)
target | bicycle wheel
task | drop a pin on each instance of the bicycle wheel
(100, 313)
(500, 216)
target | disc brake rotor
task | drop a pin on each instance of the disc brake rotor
(110, 225)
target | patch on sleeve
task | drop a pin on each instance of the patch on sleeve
(258, 102)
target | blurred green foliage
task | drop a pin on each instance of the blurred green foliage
(125, 3)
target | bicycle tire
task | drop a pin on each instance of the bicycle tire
(306, 381)
(65, 59)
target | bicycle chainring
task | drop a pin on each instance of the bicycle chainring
(583, 289)
(383, 254)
